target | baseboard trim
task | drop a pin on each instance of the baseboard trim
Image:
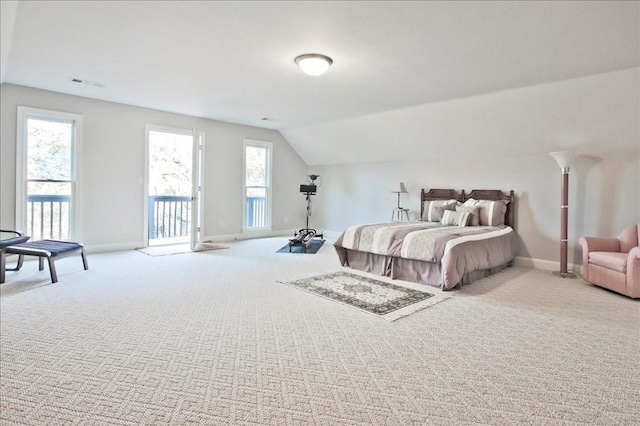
(101, 248)
(247, 236)
(545, 265)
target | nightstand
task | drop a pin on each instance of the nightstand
(400, 215)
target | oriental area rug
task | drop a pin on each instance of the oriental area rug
(384, 299)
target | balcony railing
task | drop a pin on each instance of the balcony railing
(48, 216)
(256, 212)
(169, 216)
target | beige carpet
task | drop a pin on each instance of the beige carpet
(212, 338)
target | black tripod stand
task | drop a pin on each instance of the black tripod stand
(304, 237)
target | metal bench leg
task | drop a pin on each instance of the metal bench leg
(84, 260)
(18, 265)
(41, 263)
(52, 269)
(3, 264)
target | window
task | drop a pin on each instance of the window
(257, 182)
(47, 201)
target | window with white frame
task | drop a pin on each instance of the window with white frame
(257, 185)
(47, 173)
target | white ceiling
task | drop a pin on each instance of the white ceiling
(234, 61)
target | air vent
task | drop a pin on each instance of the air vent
(89, 82)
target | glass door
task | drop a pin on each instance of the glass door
(170, 167)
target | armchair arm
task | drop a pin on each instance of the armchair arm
(633, 273)
(590, 244)
(600, 244)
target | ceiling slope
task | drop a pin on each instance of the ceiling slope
(233, 61)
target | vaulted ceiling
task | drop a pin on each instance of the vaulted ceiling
(234, 61)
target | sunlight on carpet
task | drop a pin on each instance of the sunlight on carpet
(180, 249)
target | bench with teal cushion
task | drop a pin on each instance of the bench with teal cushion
(49, 249)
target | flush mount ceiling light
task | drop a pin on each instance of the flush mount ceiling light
(313, 63)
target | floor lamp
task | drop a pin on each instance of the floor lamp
(564, 159)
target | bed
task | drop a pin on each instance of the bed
(460, 238)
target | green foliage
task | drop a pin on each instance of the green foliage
(49, 145)
(170, 158)
(256, 158)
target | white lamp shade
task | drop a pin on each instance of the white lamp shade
(564, 158)
(399, 188)
(314, 64)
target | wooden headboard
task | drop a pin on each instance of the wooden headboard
(477, 194)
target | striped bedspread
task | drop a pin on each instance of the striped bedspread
(426, 241)
(459, 250)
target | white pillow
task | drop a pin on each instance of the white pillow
(492, 213)
(433, 210)
(474, 211)
(453, 218)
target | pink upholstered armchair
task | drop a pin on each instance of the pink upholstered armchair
(613, 263)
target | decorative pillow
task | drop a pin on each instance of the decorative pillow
(491, 212)
(474, 212)
(454, 218)
(436, 213)
(433, 210)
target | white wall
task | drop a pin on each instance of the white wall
(598, 111)
(499, 141)
(113, 167)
